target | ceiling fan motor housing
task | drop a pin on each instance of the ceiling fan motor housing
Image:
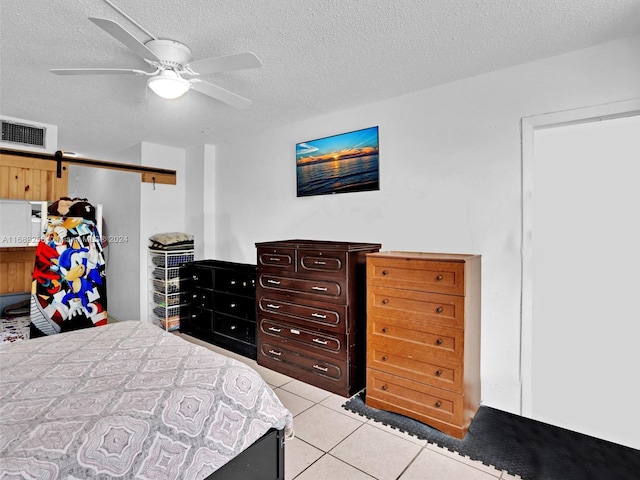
(172, 53)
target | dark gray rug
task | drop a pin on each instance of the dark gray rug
(528, 448)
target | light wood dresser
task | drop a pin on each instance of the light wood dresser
(423, 337)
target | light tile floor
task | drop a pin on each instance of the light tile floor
(333, 443)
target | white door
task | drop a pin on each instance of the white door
(585, 279)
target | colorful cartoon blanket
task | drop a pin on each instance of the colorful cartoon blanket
(69, 288)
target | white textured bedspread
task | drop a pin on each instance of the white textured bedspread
(127, 400)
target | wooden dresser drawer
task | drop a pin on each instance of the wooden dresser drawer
(201, 319)
(433, 308)
(305, 366)
(416, 274)
(415, 365)
(308, 313)
(239, 329)
(333, 345)
(413, 399)
(419, 336)
(326, 263)
(327, 290)
(201, 297)
(202, 277)
(240, 283)
(276, 259)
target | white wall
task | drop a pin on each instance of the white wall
(119, 194)
(199, 197)
(162, 209)
(134, 211)
(450, 179)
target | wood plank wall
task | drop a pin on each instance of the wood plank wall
(16, 269)
(26, 179)
(23, 178)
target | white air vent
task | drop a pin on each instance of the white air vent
(30, 136)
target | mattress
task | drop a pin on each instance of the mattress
(127, 400)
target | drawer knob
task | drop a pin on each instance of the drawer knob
(322, 369)
(384, 387)
(439, 277)
(438, 373)
(232, 282)
(384, 359)
(439, 309)
(274, 329)
(318, 315)
(320, 289)
(384, 329)
(385, 301)
(320, 341)
(274, 352)
(439, 341)
(233, 305)
(438, 404)
(384, 272)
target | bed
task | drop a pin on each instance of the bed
(129, 400)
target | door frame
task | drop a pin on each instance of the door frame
(528, 125)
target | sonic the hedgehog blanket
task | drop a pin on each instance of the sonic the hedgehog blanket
(69, 288)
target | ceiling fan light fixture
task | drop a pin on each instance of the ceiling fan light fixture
(168, 84)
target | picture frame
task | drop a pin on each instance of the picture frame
(343, 163)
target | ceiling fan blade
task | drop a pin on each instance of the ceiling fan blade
(223, 64)
(119, 33)
(220, 93)
(96, 71)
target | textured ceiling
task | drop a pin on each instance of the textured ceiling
(319, 56)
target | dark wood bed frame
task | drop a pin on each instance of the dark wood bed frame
(263, 460)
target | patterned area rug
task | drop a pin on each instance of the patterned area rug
(14, 329)
(533, 450)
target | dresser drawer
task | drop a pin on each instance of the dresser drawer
(243, 330)
(326, 343)
(240, 283)
(202, 277)
(433, 308)
(200, 319)
(416, 274)
(306, 360)
(415, 365)
(415, 335)
(326, 263)
(310, 314)
(202, 297)
(413, 399)
(276, 259)
(327, 290)
(243, 307)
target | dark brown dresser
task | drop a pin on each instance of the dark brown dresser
(311, 311)
(221, 304)
(423, 337)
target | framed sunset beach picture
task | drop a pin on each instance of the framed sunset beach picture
(342, 163)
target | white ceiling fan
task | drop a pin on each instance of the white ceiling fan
(172, 62)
